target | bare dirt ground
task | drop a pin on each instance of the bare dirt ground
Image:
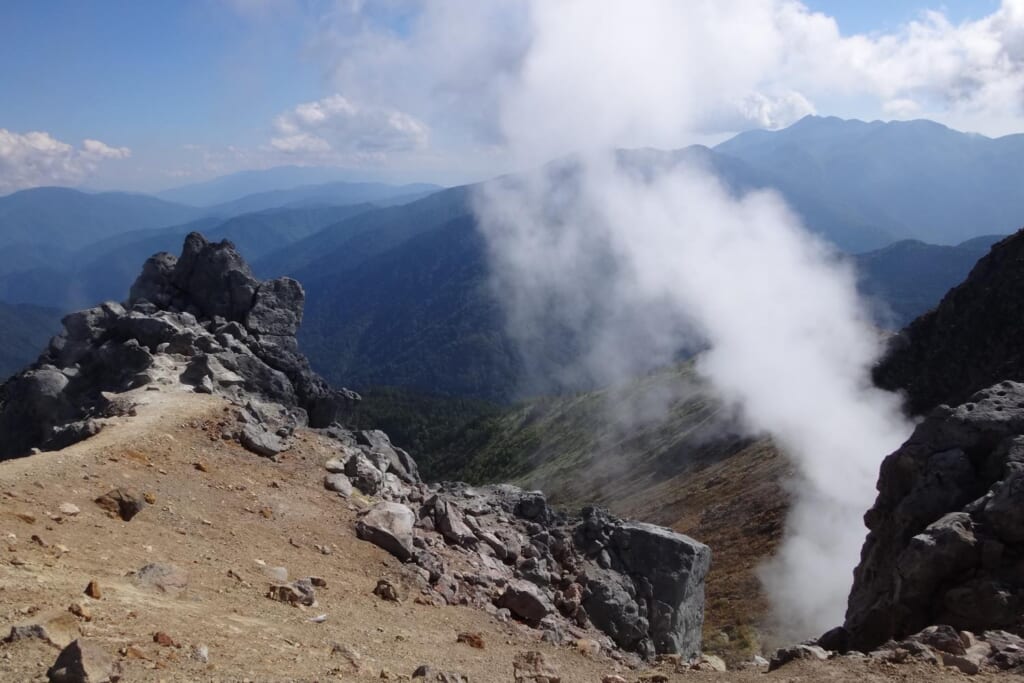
(221, 514)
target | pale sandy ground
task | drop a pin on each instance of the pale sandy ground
(244, 509)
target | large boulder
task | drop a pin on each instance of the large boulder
(389, 525)
(946, 531)
(647, 590)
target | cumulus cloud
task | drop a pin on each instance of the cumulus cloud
(37, 158)
(338, 125)
(452, 63)
(975, 67)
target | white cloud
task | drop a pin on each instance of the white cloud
(767, 63)
(100, 150)
(37, 158)
(337, 125)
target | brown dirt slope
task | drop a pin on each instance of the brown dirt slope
(218, 513)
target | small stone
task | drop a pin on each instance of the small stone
(163, 640)
(612, 678)
(338, 483)
(786, 655)
(296, 593)
(84, 662)
(347, 653)
(475, 640)
(80, 610)
(93, 590)
(588, 647)
(69, 509)
(167, 578)
(709, 662)
(385, 590)
(121, 503)
(531, 667)
(149, 497)
(200, 653)
(201, 466)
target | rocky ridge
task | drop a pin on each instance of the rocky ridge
(970, 341)
(947, 530)
(203, 321)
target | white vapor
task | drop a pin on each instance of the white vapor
(37, 158)
(642, 254)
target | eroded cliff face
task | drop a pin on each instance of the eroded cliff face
(947, 530)
(970, 341)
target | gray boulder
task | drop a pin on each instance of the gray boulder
(526, 601)
(649, 596)
(338, 483)
(389, 526)
(256, 439)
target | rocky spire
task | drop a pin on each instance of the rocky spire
(203, 316)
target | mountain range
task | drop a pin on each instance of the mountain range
(397, 276)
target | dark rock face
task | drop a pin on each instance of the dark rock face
(969, 342)
(947, 529)
(234, 335)
(661, 606)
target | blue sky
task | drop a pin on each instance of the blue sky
(195, 88)
(865, 16)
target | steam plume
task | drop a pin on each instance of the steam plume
(640, 255)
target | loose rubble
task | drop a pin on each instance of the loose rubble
(641, 585)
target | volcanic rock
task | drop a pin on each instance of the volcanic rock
(205, 312)
(946, 531)
(389, 525)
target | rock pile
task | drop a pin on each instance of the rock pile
(946, 537)
(642, 585)
(202, 318)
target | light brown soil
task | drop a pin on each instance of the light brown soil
(242, 509)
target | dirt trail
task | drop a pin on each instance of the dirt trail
(220, 512)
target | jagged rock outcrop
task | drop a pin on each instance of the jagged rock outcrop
(970, 341)
(203, 316)
(946, 537)
(641, 585)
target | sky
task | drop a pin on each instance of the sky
(142, 96)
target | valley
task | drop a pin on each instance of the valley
(393, 296)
